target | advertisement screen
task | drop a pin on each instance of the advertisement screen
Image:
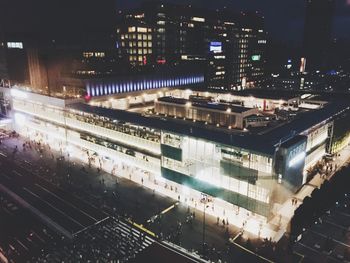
(215, 47)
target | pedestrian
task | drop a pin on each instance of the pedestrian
(217, 220)
(223, 222)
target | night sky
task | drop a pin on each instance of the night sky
(284, 18)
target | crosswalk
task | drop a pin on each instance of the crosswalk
(111, 240)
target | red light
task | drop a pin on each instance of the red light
(87, 97)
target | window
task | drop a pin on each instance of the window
(142, 29)
(100, 54)
(18, 45)
(132, 29)
(198, 19)
(88, 54)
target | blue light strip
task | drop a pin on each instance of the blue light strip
(117, 87)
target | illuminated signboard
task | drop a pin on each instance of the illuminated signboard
(256, 57)
(215, 47)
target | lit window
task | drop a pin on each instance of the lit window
(142, 29)
(18, 45)
(198, 19)
(132, 29)
(100, 54)
(88, 54)
(139, 16)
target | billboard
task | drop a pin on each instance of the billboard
(215, 47)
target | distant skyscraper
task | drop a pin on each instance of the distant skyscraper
(317, 32)
(229, 46)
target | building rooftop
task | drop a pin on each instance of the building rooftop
(263, 142)
(293, 141)
(205, 104)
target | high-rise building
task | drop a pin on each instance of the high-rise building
(229, 47)
(317, 32)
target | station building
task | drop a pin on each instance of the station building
(248, 170)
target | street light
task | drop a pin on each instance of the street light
(204, 200)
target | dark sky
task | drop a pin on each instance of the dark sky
(284, 18)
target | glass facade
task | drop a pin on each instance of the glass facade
(237, 176)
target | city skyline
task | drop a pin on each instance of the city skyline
(290, 15)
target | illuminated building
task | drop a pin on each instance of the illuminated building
(228, 47)
(95, 86)
(233, 165)
(137, 42)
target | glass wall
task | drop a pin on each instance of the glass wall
(236, 175)
(316, 137)
(133, 135)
